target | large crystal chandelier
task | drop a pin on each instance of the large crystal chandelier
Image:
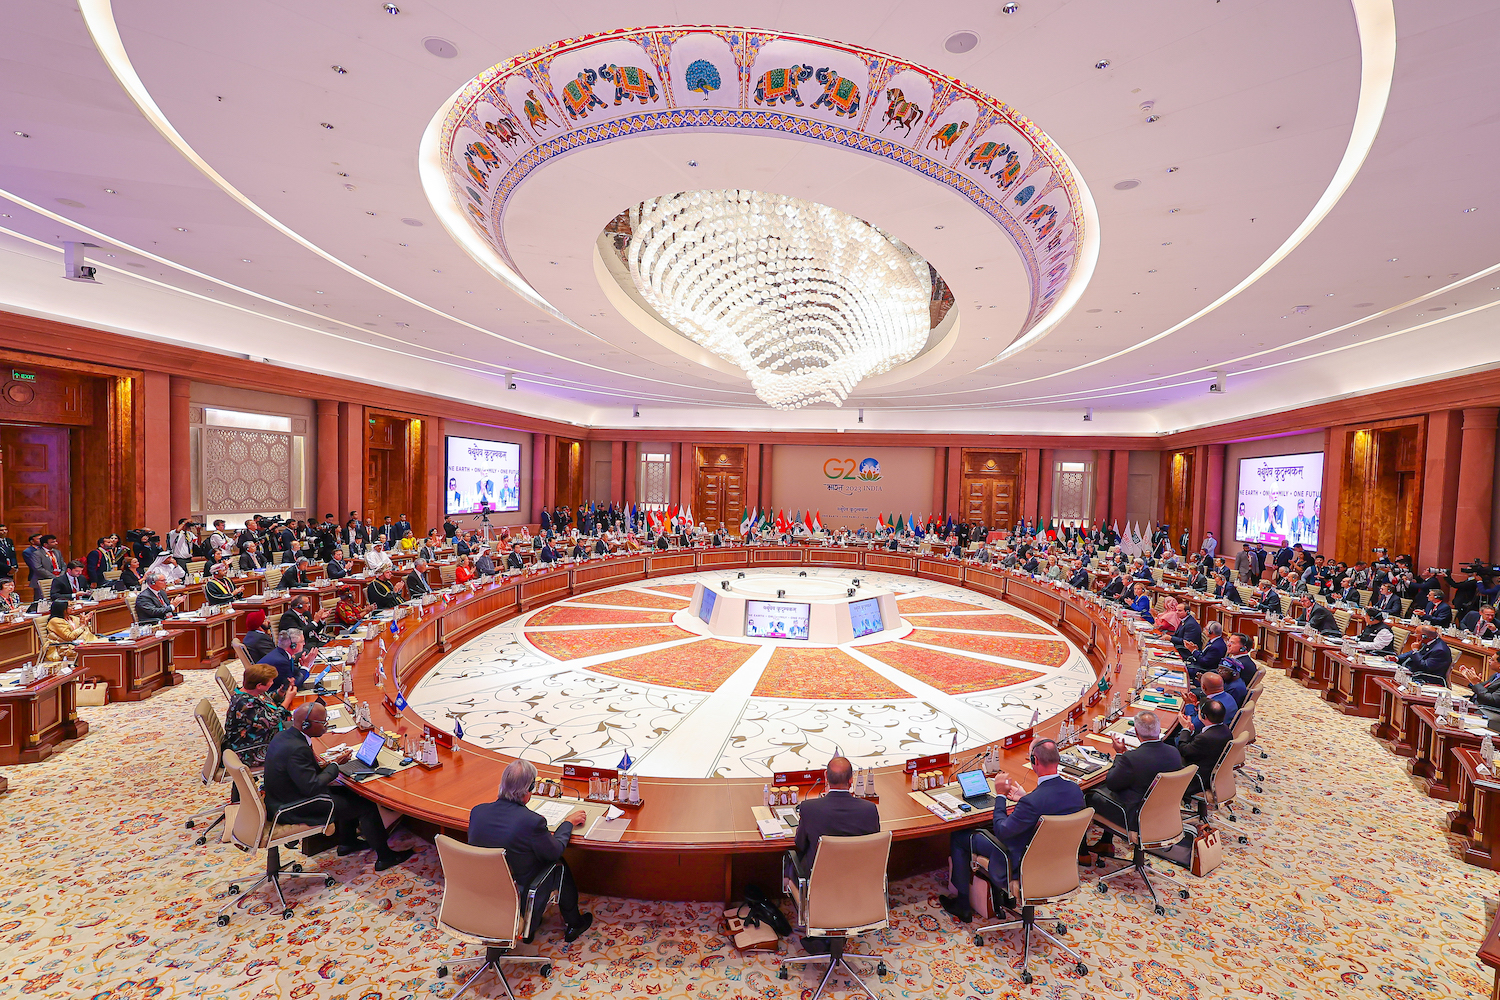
(805, 299)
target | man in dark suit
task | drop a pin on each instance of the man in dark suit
(529, 848)
(1130, 777)
(9, 563)
(1388, 601)
(293, 775)
(1212, 690)
(294, 575)
(1318, 616)
(403, 528)
(152, 604)
(1115, 588)
(416, 580)
(1482, 622)
(513, 562)
(1204, 748)
(1438, 611)
(1080, 578)
(836, 814)
(1239, 654)
(1197, 580)
(300, 616)
(288, 659)
(1210, 656)
(336, 569)
(1188, 631)
(388, 533)
(251, 559)
(1013, 830)
(71, 585)
(1430, 661)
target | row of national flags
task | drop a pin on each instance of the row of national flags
(758, 520)
(1135, 541)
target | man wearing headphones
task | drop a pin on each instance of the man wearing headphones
(293, 777)
(1013, 828)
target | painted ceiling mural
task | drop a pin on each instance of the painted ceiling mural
(579, 92)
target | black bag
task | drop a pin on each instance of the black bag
(763, 911)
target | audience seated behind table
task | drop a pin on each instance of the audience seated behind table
(1481, 623)
(293, 775)
(63, 631)
(416, 580)
(256, 640)
(1211, 689)
(1438, 612)
(300, 615)
(529, 848)
(218, 592)
(153, 605)
(1431, 660)
(1013, 827)
(1212, 653)
(835, 814)
(1130, 777)
(1204, 747)
(10, 601)
(290, 658)
(255, 716)
(382, 591)
(1377, 636)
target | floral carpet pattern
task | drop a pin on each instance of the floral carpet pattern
(981, 623)
(634, 599)
(592, 642)
(827, 673)
(1047, 652)
(573, 614)
(685, 589)
(692, 666)
(948, 672)
(917, 605)
(1348, 890)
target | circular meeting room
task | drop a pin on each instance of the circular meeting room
(993, 500)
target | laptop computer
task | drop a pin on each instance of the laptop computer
(363, 764)
(975, 788)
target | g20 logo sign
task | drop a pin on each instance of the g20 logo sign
(866, 470)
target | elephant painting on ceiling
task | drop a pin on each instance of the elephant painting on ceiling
(984, 155)
(578, 96)
(839, 92)
(777, 86)
(631, 83)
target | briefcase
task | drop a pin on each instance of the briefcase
(92, 693)
(1208, 851)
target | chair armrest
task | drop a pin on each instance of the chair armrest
(276, 820)
(538, 885)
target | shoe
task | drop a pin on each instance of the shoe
(957, 907)
(392, 859)
(575, 931)
(347, 849)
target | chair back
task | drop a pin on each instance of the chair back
(111, 575)
(1161, 818)
(213, 738)
(240, 652)
(447, 573)
(1232, 757)
(46, 588)
(847, 888)
(1405, 606)
(273, 577)
(225, 680)
(129, 597)
(1049, 869)
(196, 566)
(1244, 722)
(250, 829)
(1341, 618)
(277, 557)
(479, 895)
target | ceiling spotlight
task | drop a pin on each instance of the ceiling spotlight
(1167, 244)
(979, 268)
(937, 227)
(339, 70)
(110, 191)
(1173, 170)
(244, 260)
(1127, 185)
(692, 163)
(320, 293)
(1394, 259)
(1151, 271)
(1010, 8)
(1173, 211)
(1088, 415)
(24, 135)
(1468, 210)
(1300, 309)
(181, 230)
(391, 8)
(961, 41)
(1102, 64)
(440, 47)
(326, 125)
(1153, 118)
(635, 411)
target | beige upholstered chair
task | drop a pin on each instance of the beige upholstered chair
(277, 557)
(481, 906)
(46, 588)
(447, 573)
(111, 575)
(240, 652)
(1220, 793)
(843, 897)
(1049, 874)
(1158, 827)
(196, 566)
(225, 680)
(1244, 725)
(212, 731)
(253, 830)
(273, 577)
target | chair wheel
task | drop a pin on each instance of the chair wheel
(201, 841)
(1081, 969)
(442, 972)
(546, 971)
(1264, 755)
(330, 881)
(1255, 810)
(1182, 894)
(1026, 976)
(297, 867)
(1244, 840)
(234, 890)
(1233, 818)
(979, 940)
(189, 824)
(781, 973)
(286, 914)
(223, 920)
(881, 969)
(1102, 888)
(1161, 911)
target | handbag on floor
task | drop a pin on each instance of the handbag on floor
(1208, 851)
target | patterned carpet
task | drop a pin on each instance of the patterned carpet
(634, 599)
(1044, 651)
(829, 674)
(693, 666)
(1348, 890)
(984, 623)
(573, 614)
(592, 642)
(949, 673)
(917, 605)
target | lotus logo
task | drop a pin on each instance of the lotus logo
(869, 470)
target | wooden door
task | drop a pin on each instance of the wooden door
(721, 498)
(990, 501)
(377, 482)
(34, 472)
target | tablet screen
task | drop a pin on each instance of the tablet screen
(369, 750)
(973, 784)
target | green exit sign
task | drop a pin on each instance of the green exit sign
(22, 376)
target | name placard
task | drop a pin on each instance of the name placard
(442, 739)
(1094, 697)
(1076, 713)
(1018, 739)
(796, 777)
(928, 763)
(585, 773)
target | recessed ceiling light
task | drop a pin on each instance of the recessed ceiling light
(1173, 211)
(401, 244)
(1300, 309)
(961, 41)
(1173, 170)
(320, 293)
(1149, 120)
(437, 270)
(244, 260)
(937, 227)
(1102, 64)
(1468, 210)
(692, 163)
(24, 135)
(391, 8)
(1151, 271)
(1010, 8)
(440, 47)
(411, 222)
(1167, 244)
(1393, 259)
(339, 70)
(110, 191)
(1127, 185)
(979, 268)
(326, 125)
(1330, 295)
(181, 230)
(552, 262)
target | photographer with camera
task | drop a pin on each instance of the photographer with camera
(181, 541)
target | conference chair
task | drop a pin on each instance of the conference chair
(1219, 795)
(111, 576)
(1048, 874)
(1365, 597)
(276, 558)
(1244, 725)
(1158, 826)
(447, 574)
(1405, 607)
(253, 830)
(196, 566)
(481, 906)
(211, 728)
(273, 577)
(46, 589)
(843, 897)
(240, 652)
(225, 680)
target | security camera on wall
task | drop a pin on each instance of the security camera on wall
(74, 268)
(1219, 384)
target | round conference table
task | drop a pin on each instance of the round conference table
(696, 838)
